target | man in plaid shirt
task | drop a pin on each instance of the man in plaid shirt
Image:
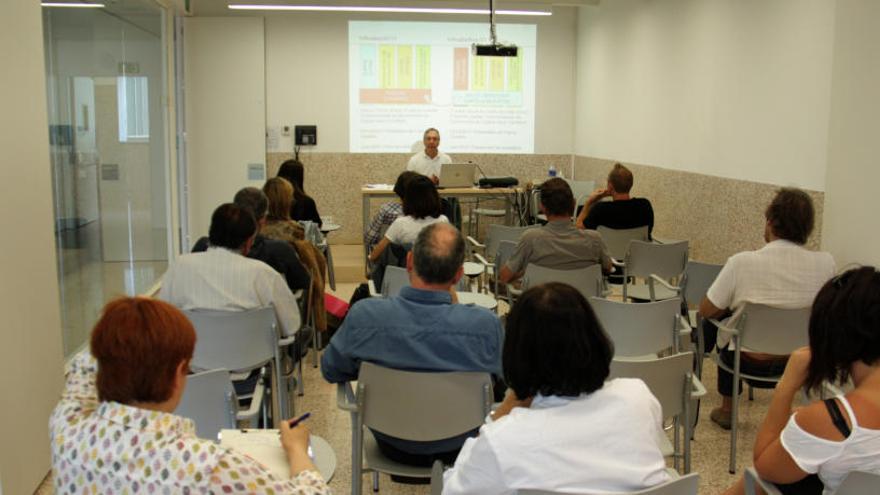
(388, 212)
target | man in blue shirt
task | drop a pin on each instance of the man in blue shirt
(420, 329)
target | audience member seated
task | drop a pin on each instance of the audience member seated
(279, 225)
(224, 278)
(623, 212)
(562, 427)
(388, 212)
(420, 329)
(114, 429)
(558, 245)
(303, 207)
(279, 255)
(421, 207)
(782, 274)
(810, 449)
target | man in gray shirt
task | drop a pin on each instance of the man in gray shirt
(558, 245)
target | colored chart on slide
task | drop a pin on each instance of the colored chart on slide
(396, 74)
(407, 76)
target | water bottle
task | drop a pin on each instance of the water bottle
(551, 172)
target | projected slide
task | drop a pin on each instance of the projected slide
(407, 76)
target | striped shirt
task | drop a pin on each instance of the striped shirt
(225, 280)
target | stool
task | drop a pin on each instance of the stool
(473, 270)
(475, 214)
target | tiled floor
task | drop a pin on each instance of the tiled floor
(710, 446)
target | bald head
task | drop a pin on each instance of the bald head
(438, 254)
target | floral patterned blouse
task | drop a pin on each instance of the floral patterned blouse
(107, 447)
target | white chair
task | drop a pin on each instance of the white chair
(674, 385)
(698, 277)
(397, 278)
(855, 483)
(678, 485)
(242, 341)
(617, 240)
(209, 400)
(581, 190)
(659, 265)
(416, 406)
(760, 328)
(484, 253)
(641, 329)
(588, 280)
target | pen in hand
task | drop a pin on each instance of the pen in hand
(296, 421)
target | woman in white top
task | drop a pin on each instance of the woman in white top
(812, 449)
(562, 427)
(421, 207)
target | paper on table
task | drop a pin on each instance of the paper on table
(263, 446)
(379, 186)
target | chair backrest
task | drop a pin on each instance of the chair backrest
(395, 279)
(639, 328)
(668, 378)
(682, 485)
(588, 281)
(209, 400)
(504, 252)
(859, 483)
(581, 189)
(234, 340)
(773, 330)
(498, 233)
(422, 406)
(664, 260)
(698, 277)
(617, 240)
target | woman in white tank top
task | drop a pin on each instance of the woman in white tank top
(813, 449)
(421, 207)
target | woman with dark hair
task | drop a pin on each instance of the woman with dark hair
(421, 207)
(810, 450)
(303, 207)
(279, 225)
(562, 427)
(114, 430)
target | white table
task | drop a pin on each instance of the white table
(477, 299)
(264, 446)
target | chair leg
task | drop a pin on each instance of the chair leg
(733, 413)
(751, 392)
(300, 387)
(676, 445)
(375, 481)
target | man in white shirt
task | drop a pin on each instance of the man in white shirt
(782, 274)
(223, 278)
(428, 162)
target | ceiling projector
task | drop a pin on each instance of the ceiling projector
(494, 50)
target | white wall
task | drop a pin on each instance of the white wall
(851, 230)
(736, 89)
(225, 111)
(30, 354)
(307, 75)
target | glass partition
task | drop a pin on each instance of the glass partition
(106, 91)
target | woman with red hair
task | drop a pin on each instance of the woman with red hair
(114, 430)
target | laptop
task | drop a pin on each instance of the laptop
(457, 175)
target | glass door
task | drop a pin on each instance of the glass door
(107, 92)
